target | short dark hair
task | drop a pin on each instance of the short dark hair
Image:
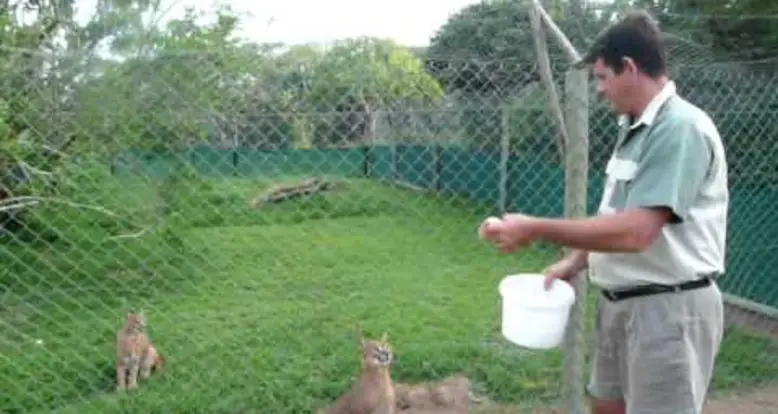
(637, 36)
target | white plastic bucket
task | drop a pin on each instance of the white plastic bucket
(532, 316)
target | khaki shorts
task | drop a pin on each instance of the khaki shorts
(656, 353)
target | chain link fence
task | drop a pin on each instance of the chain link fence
(260, 208)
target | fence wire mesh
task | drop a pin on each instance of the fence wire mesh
(260, 206)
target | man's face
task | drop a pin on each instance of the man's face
(617, 89)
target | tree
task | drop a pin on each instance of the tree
(34, 87)
(186, 84)
(356, 78)
(484, 56)
(486, 49)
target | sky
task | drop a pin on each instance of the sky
(409, 22)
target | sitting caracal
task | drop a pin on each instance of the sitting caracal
(373, 392)
(135, 354)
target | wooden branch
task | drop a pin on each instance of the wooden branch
(6, 208)
(563, 40)
(13, 203)
(58, 152)
(546, 76)
(281, 193)
(406, 185)
(129, 236)
(33, 170)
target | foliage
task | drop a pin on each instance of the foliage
(189, 82)
(487, 48)
(742, 30)
(194, 81)
(358, 76)
(374, 71)
(484, 55)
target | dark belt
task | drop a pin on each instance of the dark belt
(653, 289)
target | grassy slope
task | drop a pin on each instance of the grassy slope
(257, 311)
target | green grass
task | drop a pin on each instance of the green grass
(257, 310)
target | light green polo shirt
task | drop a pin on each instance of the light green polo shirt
(671, 156)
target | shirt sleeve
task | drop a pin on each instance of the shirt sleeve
(672, 167)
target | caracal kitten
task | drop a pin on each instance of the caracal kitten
(135, 354)
(373, 392)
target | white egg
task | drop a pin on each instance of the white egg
(490, 221)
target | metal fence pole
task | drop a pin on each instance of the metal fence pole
(576, 182)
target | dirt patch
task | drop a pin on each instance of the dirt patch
(498, 409)
(761, 401)
(755, 321)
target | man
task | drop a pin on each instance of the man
(658, 242)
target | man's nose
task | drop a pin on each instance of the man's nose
(600, 92)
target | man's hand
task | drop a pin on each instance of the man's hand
(513, 232)
(566, 269)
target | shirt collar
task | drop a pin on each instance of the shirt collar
(652, 109)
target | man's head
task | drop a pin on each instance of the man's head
(625, 57)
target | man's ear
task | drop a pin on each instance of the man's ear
(629, 65)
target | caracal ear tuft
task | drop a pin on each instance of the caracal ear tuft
(361, 335)
(385, 337)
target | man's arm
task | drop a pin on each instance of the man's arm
(670, 172)
(629, 231)
(580, 258)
